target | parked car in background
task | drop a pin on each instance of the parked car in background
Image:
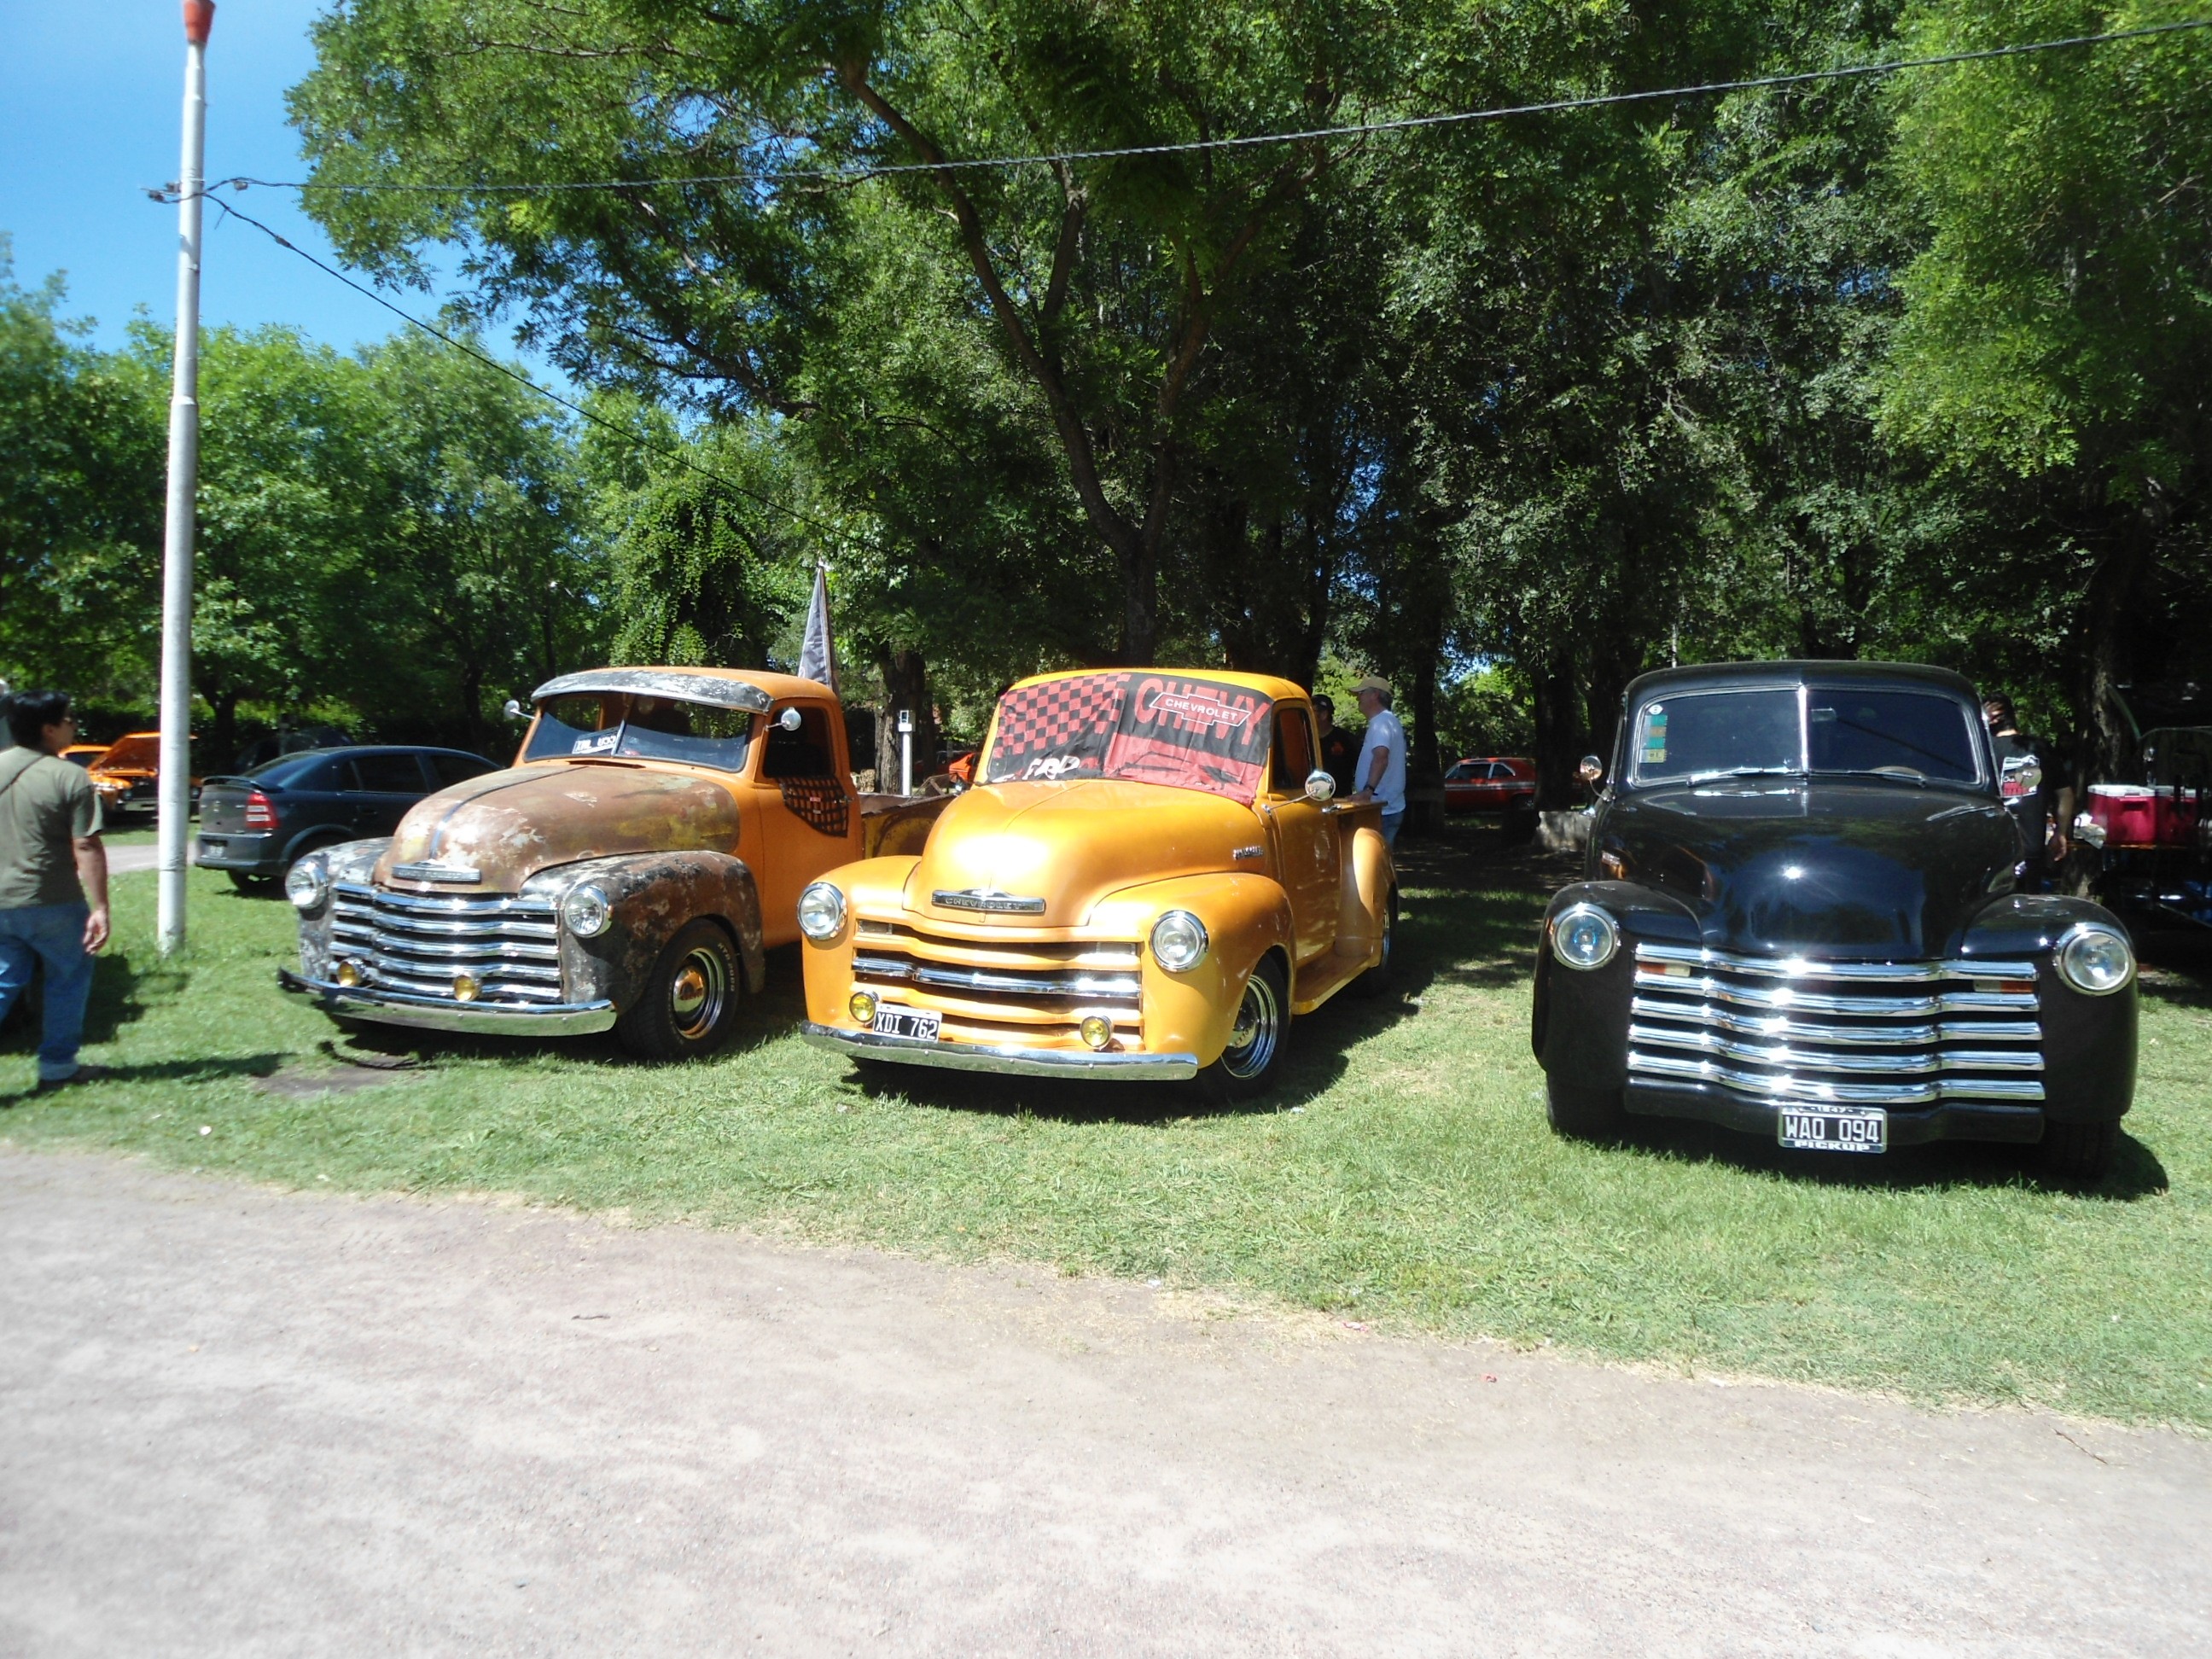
(128, 776)
(84, 754)
(1491, 783)
(629, 870)
(257, 825)
(1800, 921)
(1148, 881)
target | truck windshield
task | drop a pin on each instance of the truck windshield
(612, 723)
(1173, 729)
(1913, 736)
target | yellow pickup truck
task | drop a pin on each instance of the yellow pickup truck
(1148, 881)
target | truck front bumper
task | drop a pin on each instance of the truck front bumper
(1013, 1062)
(443, 1014)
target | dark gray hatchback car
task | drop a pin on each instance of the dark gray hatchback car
(258, 825)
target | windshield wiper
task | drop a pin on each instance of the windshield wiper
(1744, 772)
(1887, 774)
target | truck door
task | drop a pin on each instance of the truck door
(805, 820)
(1304, 835)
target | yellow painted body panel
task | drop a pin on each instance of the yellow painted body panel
(1095, 862)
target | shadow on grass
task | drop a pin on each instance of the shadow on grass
(2137, 1172)
(166, 1071)
(122, 994)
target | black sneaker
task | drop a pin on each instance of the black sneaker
(82, 1074)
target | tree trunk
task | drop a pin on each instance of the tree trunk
(223, 751)
(1425, 772)
(905, 685)
(2113, 736)
(1559, 733)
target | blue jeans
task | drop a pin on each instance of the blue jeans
(54, 935)
(1390, 822)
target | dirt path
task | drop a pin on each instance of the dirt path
(235, 1421)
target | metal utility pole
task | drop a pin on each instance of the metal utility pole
(175, 784)
(906, 750)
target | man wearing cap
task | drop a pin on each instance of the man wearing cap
(1381, 755)
(51, 862)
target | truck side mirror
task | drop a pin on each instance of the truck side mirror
(1591, 769)
(788, 719)
(1320, 788)
(515, 711)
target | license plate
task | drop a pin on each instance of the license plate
(212, 844)
(908, 1022)
(1835, 1129)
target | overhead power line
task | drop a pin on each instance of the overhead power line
(517, 376)
(864, 170)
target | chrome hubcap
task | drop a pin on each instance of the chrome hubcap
(1258, 1028)
(698, 991)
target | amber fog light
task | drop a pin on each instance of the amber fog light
(466, 987)
(1096, 1030)
(862, 1008)
(348, 975)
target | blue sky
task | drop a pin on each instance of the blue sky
(90, 94)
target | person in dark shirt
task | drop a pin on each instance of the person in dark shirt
(2032, 809)
(1340, 749)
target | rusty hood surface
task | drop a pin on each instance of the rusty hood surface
(507, 826)
(1070, 844)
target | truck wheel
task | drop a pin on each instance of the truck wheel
(690, 1004)
(1375, 981)
(1248, 1066)
(2076, 1156)
(1585, 1114)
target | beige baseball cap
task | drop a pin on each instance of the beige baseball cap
(1374, 682)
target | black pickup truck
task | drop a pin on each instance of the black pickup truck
(1799, 921)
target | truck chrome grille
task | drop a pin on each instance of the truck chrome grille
(1804, 1028)
(418, 942)
(1010, 982)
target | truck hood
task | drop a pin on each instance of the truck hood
(507, 826)
(1871, 870)
(1070, 844)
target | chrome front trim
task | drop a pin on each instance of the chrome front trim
(661, 682)
(987, 900)
(1810, 1091)
(1007, 1061)
(1997, 1059)
(912, 971)
(1798, 1030)
(415, 943)
(431, 1013)
(1824, 1002)
(448, 873)
(1801, 967)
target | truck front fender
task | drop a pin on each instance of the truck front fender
(649, 897)
(1246, 916)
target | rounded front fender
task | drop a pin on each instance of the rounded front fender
(650, 895)
(1245, 917)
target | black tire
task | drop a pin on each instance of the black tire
(689, 1006)
(2076, 1156)
(1375, 981)
(251, 886)
(1583, 1114)
(1247, 1066)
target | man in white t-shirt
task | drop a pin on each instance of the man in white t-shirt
(1381, 772)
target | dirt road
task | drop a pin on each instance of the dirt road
(235, 1421)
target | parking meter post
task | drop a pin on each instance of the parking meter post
(174, 785)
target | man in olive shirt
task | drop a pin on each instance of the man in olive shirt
(52, 863)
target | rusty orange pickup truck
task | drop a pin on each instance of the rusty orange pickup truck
(629, 870)
(1149, 879)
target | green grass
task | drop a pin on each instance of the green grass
(1403, 1174)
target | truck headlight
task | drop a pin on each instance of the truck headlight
(1585, 937)
(2095, 958)
(307, 883)
(822, 911)
(1179, 941)
(585, 910)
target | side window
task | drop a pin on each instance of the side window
(805, 753)
(1294, 751)
(458, 769)
(389, 773)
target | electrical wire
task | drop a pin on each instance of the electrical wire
(517, 375)
(871, 170)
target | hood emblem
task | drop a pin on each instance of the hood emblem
(453, 872)
(989, 899)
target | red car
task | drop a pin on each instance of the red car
(1492, 783)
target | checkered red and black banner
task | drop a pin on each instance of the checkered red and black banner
(1191, 733)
